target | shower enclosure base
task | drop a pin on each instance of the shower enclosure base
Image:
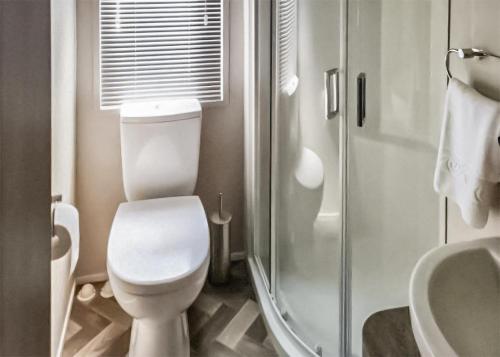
(285, 341)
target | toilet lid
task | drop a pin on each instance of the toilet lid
(158, 241)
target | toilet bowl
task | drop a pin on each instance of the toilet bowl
(158, 247)
(157, 264)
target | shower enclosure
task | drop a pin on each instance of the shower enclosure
(343, 107)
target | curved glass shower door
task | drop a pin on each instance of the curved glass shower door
(396, 53)
(352, 200)
(305, 198)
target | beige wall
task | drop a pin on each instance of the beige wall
(475, 23)
(63, 23)
(99, 181)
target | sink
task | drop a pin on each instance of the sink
(455, 300)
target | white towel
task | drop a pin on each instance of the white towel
(468, 164)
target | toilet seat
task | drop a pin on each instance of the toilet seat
(158, 245)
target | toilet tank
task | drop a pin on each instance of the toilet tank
(160, 147)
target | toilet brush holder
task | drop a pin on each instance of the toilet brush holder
(220, 245)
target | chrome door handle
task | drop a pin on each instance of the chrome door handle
(331, 93)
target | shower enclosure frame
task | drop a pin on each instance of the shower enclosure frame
(258, 14)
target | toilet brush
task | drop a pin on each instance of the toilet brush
(220, 240)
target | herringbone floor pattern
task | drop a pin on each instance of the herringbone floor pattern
(223, 322)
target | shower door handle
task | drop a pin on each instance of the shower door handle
(361, 99)
(331, 93)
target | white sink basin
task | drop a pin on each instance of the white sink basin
(455, 300)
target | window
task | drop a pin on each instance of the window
(152, 49)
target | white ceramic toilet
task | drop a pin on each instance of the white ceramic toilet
(158, 249)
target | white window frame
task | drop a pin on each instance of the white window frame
(225, 59)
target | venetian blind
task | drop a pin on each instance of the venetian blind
(161, 48)
(287, 41)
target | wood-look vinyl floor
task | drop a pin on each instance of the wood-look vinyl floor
(224, 321)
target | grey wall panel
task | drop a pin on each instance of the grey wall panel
(24, 177)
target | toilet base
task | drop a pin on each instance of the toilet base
(160, 338)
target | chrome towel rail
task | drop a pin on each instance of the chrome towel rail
(464, 53)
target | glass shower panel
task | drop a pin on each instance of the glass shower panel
(392, 209)
(262, 243)
(306, 200)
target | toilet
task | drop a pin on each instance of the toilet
(158, 248)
